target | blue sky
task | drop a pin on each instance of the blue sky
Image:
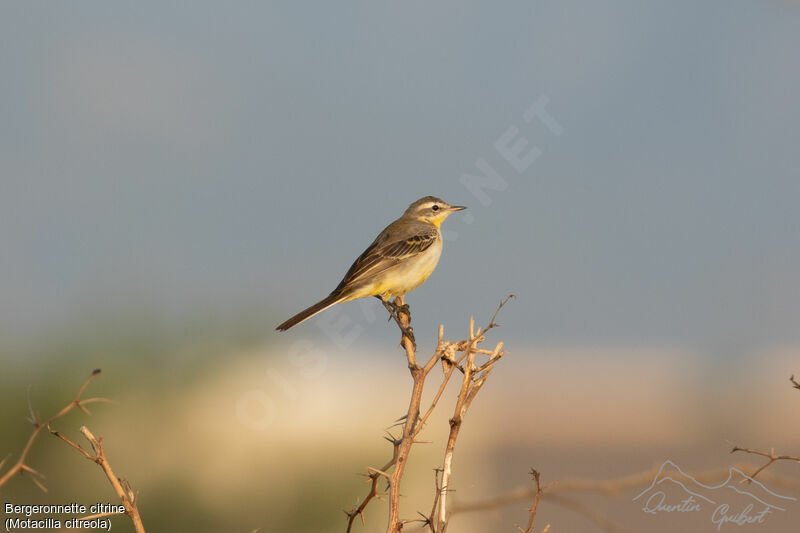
(199, 159)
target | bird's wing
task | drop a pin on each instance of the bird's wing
(386, 251)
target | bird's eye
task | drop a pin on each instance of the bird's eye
(435, 207)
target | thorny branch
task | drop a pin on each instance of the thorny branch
(21, 466)
(121, 486)
(474, 378)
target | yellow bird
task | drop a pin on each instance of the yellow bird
(398, 261)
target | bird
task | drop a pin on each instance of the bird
(400, 259)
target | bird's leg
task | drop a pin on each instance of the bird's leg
(389, 305)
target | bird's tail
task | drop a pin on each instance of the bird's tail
(318, 307)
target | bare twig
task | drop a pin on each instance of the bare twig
(473, 380)
(536, 497)
(121, 487)
(21, 466)
(98, 515)
(771, 455)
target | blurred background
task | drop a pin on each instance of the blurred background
(176, 180)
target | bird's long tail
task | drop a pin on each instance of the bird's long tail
(318, 307)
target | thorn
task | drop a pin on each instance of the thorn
(39, 484)
(32, 471)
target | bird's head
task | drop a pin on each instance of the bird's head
(431, 209)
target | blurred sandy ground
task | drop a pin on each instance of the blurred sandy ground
(234, 436)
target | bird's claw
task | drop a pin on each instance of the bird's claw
(394, 313)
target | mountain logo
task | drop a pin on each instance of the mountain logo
(730, 502)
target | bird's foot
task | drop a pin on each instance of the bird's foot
(395, 310)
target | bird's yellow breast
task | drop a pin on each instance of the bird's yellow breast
(409, 275)
(403, 277)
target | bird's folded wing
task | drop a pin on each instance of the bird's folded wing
(384, 253)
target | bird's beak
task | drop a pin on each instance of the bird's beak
(457, 207)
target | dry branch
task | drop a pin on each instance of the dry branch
(121, 486)
(536, 497)
(473, 379)
(771, 456)
(412, 424)
(21, 466)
